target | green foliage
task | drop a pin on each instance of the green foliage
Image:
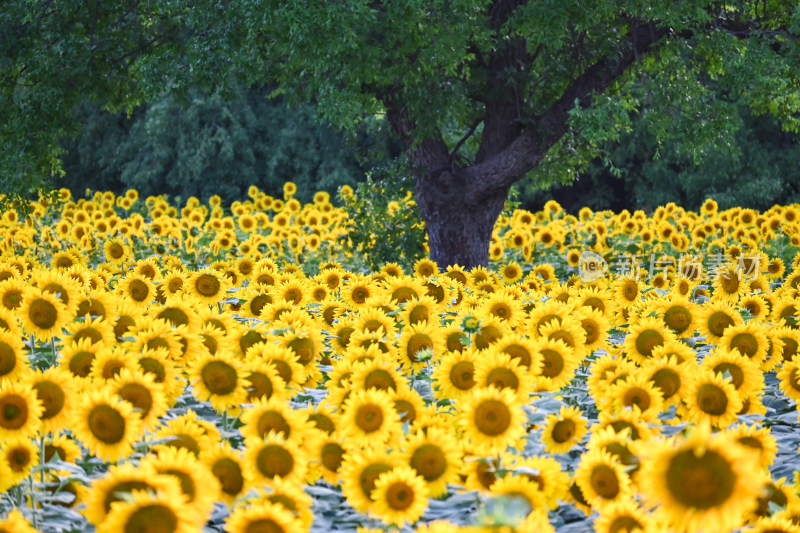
(756, 169)
(386, 223)
(211, 146)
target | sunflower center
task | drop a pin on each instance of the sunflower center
(406, 410)
(219, 377)
(12, 299)
(502, 378)
(563, 431)
(322, 422)
(604, 482)
(154, 518)
(370, 475)
(379, 379)
(492, 418)
(115, 250)
(14, 411)
(638, 397)
(331, 456)
(400, 496)
(630, 290)
(138, 396)
(8, 358)
(259, 386)
(273, 421)
(42, 313)
(417, 343)
(52, 397)
(429, 461)
(624, 523)
(647, 340)
(274, 460)
(592, 330)
(138, 290)
(122, 325)
(519, 353)
(735, 371)
(487, 336)
(175, 316)
(264, 525)
(80, 364)
(305, 349)
(700, 482)
(369, 418)
(117, 492)
(229, 474)
(419, 314)
(711, 399)
(553, 363)
(718, 322)
(462, 375)
(106, 424)
(729, 282)
(187, 483)
(18, 458)
(746, 343)
(668, 381)
(677, 318)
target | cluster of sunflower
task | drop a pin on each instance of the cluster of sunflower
(204, 369)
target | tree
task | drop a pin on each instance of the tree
(481, 93)
(210, 146)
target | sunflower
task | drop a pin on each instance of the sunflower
(97, 303)
(291, 497)
(66, 289)
(492, 419)
(117, 251)
(56, 389)
(748, 339)
(643, 337)
(547, 475)
(619, 445)
(419, 339)
(143, 393)
(11, 293)
(137, 289)
(378, 373)
(15, 522)
(564, 430)
(744, 373)
(97, 330)
(715, 318)
(263, 516)
(42, 313)
(627, 419)
(20, 454)
(454, 376)
(774, 524)
(712, 399)
(503, 305)
(185, 432)
(435, 456)
(785, 312)
(424, 309)
(400, 495)
(273, 416)
(373, 319)
(20, 410)
(360, 470)
(627, 291)
(569, 331)
(559, 361)
(728, 284)
(180, 310)
(602, 479)
(668, 376)
(106, 425)
(702, 482)
(275, 457)
(219, 379)
(637, 393)
(497, 369)
(523, 490)
(228, 466)
(789, 376)
(198, 485)
(523, 350)
(758, 439)
(368, 418)
(678, 313)
(145, 511)
(13, 359)
(282, 359)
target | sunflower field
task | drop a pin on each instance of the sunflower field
(240, 368)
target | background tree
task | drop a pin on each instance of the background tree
(481, 93)
(208, 145)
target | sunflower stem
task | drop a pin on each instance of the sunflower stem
(34, 514)
(53, 347)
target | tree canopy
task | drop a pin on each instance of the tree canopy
(480, 92)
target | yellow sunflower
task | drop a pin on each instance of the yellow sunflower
(454, 376)
(715, 318)
(638, 393)
(13, 357)
(275, 457)
(744, 373)
(546, 473)
(492, 419)
(712, 399)
(559, 361)
(136, 289)
(368, 418)
(199, 486)
(359, 472)
(434, 455)
(400, 495)
(15, 522)
(42, 313)
(418, 339)
(668, 376)
(564, 430)
(141, 390)
(228, 466)
(602, 479)
(20, 454)
(644, 336)
(106, 425)
(273, 416)
(20, 410)
(758, 439)
(749, 339)
(144, 511)
(263, 516)
(497, 369)
(219, 379)
(702, 482)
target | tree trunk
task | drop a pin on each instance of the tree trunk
(459, 228)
